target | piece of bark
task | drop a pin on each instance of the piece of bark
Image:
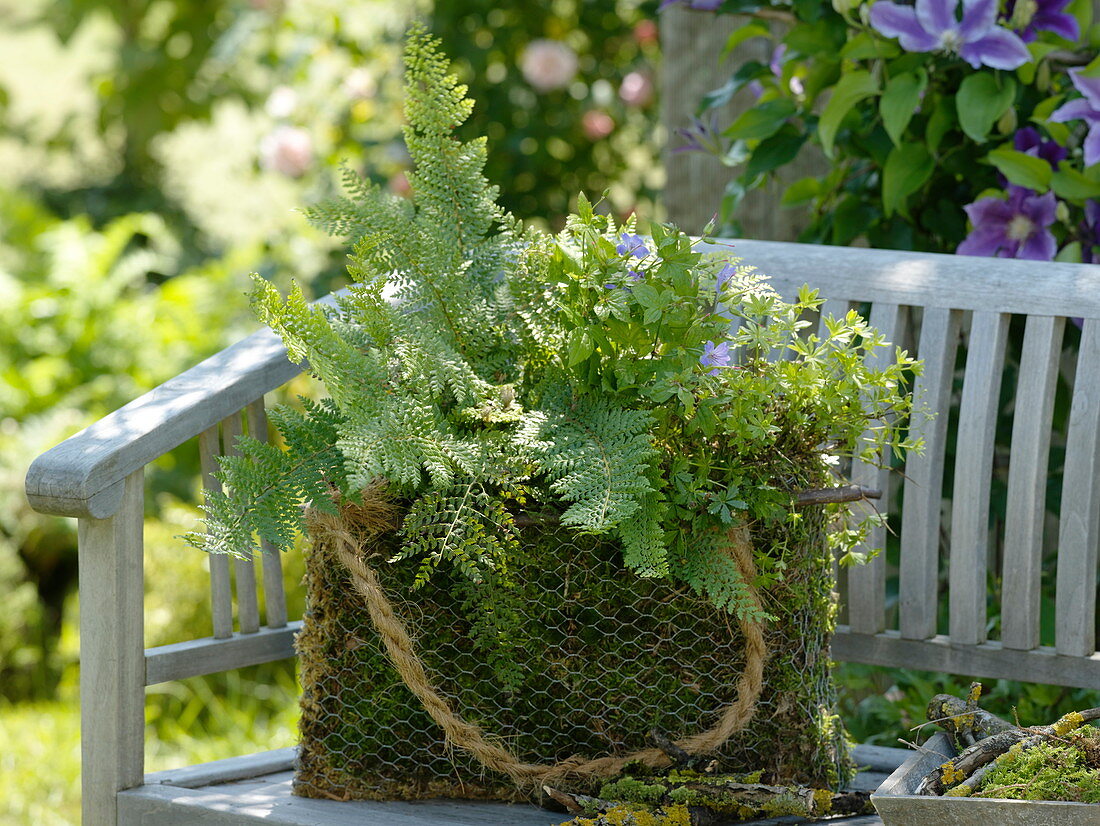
(958, 717)
(958, 768)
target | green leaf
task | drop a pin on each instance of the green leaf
(743, 33)
(866, 46)
(1072, 185)
(580, 346)
(899, 102)
(982, 99)
(1070, 253)
(1021, 169)
(762, 121)
(850, 90)
(907, 169)
(801, 192)
(781, 148)
(939, 123)
(746, 73)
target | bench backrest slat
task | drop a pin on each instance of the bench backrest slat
(244, 570)
(920, 521)
(272, 561)
(973, 472)
(221, 592)
(867, 583)
(1027, 481)
(1075, 600)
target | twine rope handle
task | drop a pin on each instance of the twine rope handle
(489, 750)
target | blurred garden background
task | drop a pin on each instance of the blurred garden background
(154, 152)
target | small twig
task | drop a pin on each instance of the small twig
(842, 493)
(678, 756)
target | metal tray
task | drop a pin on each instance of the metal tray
(897, 804)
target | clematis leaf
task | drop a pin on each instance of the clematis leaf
(1021, 169)
(762, 121)
(983, 97)
(1072, 185)
(907, 169)
(899, 102)
(850, 90)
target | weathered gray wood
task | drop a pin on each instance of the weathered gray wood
(931, 755)
(1027, 479)
(989, 659)
(68, 479)
(879, 758)
(244, 767)
(920, 519)
(112, 698)
(1075, 599)
(973, 475)
(274, 589)
(268, 801)
(221, 594)
(211, 655)
(926, 279)
(867, 583)
(244, 571)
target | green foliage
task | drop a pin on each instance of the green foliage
(588, 134)
(912, 137)
(473, 362)
(1067, 770)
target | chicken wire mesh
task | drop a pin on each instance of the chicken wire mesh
(596, 660)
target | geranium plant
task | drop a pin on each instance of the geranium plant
(969, 127)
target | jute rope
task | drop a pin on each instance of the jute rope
(488, 750)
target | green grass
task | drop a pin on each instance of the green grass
(188, 722)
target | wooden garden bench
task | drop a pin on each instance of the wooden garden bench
(940, 302)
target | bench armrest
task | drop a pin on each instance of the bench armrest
(83, 476)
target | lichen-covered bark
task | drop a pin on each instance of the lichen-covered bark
(599, 659)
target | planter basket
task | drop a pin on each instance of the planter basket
(601, 659)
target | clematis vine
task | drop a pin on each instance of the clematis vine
(1029, 17)
(715, 355)
(1085, 108)
(1016, 227)
(933, 25)
(701, 136)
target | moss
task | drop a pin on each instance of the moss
(950, 774)
(1065, 770)
(823, 801)
(632, 791)
(962, 790)
(606, 657)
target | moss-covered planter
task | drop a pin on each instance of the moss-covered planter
(602, 658)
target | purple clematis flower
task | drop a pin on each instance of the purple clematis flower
(632, 245)
(931, 25)
(1030, 142)
(715, 355)
(701, 136)
(1087, 109)
(1029, 17)
(1014, 228)
(1090, 233)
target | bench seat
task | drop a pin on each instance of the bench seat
(257, 788)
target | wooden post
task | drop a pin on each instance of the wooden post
(112, 659)
(692, 65)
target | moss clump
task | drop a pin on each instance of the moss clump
(605, 658)
(630, 790)
(630, 816)
(1066, 770)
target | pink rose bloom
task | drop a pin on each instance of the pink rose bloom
(596, 124)
(636, 89)
(548, 65)
(287, 149)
